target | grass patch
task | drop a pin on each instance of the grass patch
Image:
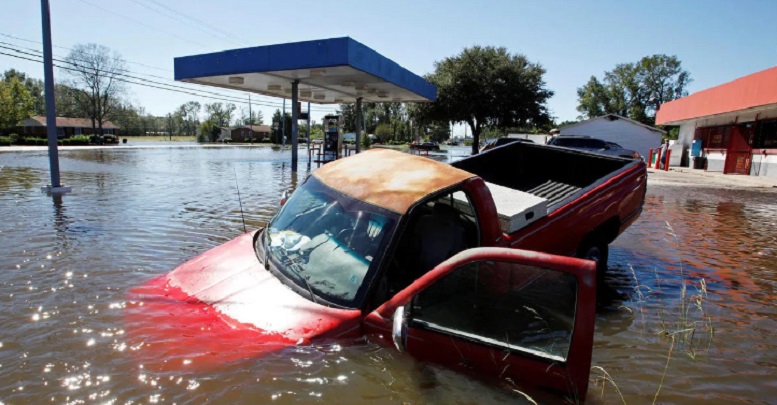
(684, 324)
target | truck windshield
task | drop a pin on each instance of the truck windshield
(327, 242)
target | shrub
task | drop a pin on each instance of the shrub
(5, 141)
(33, 141)
(75, 140)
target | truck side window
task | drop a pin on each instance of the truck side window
(505, 305)
(436, 230)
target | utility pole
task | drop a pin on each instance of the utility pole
(51, 109)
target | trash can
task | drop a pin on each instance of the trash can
(699, 162)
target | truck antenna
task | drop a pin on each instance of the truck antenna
(242, 216)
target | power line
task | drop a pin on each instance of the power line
(269, 101)
(70, 49)
(197, 26)
(151, 84)
(142, 23)
(198, 21)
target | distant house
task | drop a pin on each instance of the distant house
(625, 132)
(66, 127)
(245, 133)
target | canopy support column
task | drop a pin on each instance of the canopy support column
(358, 124)
(294, 124)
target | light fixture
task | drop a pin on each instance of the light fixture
(382, 94)
(338, 100)
(305, 93)
(371, 90)
(235, 80)
(396, 99)
(320, 96)
(349, 84)
(361, 87)
(287, 90)
(317, 73)
(274, 87)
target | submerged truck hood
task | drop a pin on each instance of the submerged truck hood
(223, 306)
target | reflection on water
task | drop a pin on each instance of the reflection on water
(137, 213)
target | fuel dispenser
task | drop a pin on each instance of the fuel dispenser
(333, 138)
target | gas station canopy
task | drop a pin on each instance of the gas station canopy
(329, 71)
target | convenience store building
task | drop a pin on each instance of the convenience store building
(730, 128)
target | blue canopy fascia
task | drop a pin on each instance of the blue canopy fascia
(336, 69)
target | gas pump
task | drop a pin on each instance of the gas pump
(333, 140)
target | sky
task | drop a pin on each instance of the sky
(717, 41)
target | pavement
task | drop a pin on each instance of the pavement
(683, 176)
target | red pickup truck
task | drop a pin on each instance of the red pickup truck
(416, 253)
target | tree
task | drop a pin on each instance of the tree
(128, 118)
(16, 104)
(248, 117)
(487, 87)
(209, 131)
(170, 125)
(634, 90)
(276, 136)
(65, 100)
(94, 72)
(34, 88)
(187, 118)
(383, 132)
(316, 131)
(220, 113)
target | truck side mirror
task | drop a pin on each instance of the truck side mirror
(399, 330)
(284, 197)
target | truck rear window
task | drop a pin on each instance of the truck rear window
(580, 143)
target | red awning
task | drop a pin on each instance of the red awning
(755, 90)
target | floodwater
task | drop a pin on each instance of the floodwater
(686, 312)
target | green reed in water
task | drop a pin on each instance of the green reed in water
(686, 324)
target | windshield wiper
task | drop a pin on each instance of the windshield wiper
(297, 270)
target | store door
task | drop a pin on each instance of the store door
(738, 155)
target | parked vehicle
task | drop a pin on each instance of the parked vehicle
(593, 145)
(440, 260)
(425, 145)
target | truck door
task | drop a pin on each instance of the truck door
(500, 313)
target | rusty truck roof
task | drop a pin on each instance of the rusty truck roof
(389, 179)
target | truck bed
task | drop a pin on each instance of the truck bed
(555, 175)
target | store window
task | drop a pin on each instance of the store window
(714, 137)
(766, 134)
